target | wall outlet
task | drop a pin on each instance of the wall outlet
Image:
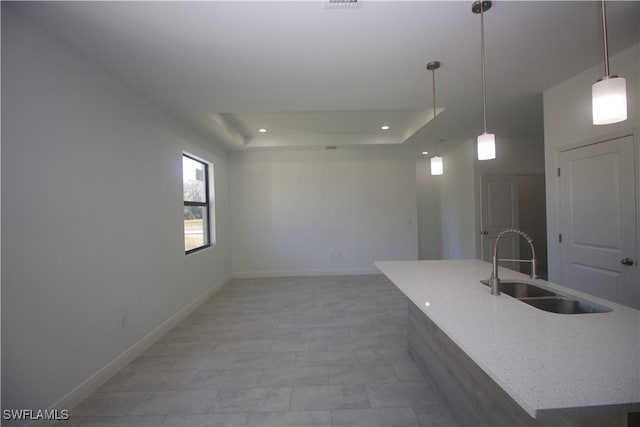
(123, 320)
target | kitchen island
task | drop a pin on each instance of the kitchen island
(499, 361)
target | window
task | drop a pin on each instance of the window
(197, 204)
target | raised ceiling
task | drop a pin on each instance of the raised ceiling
(313, 75)
(324, 128)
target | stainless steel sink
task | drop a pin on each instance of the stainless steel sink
(564, 305)
(544, 299)
(518, 289)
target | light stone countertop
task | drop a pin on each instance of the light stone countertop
(551, 364)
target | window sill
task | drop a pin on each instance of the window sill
(198, 249)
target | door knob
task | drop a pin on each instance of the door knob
(484, 232)
(626, 261)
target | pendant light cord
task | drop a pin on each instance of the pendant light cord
(604, 40)
(435, 115)
(484, 90)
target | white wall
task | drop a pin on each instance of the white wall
(316, 211)
(457, 206)
(515, 156)
(568, 122)
(428, 195)
(456, 193)
(91, 218)
(533, 220)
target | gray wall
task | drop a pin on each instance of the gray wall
(91, 218)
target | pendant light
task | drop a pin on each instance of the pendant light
(437, 164)
(486, 141)
(609, 94)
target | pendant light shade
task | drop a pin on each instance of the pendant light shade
(609, 100)
(486, 146)
(486, 141)
(437, 165)
(609, 94)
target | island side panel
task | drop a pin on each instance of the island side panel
(473, 397)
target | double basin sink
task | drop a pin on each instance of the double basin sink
(547, 300)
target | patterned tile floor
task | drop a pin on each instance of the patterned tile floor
(312, 351)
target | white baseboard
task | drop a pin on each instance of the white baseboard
(96, 380)
(305, 273)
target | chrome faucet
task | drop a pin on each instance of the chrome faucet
(494, 281)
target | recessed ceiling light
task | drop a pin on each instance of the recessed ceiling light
(385, 127)
(262, 130)
(424, 153)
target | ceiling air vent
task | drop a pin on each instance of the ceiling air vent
(342, 4)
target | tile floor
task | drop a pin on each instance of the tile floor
(314, 351)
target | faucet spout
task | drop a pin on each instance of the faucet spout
(494, 280)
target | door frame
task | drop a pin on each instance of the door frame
(519, 243)
(554, 251)
(483, 179)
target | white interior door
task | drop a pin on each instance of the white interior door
(499, 211)
(598, 220)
